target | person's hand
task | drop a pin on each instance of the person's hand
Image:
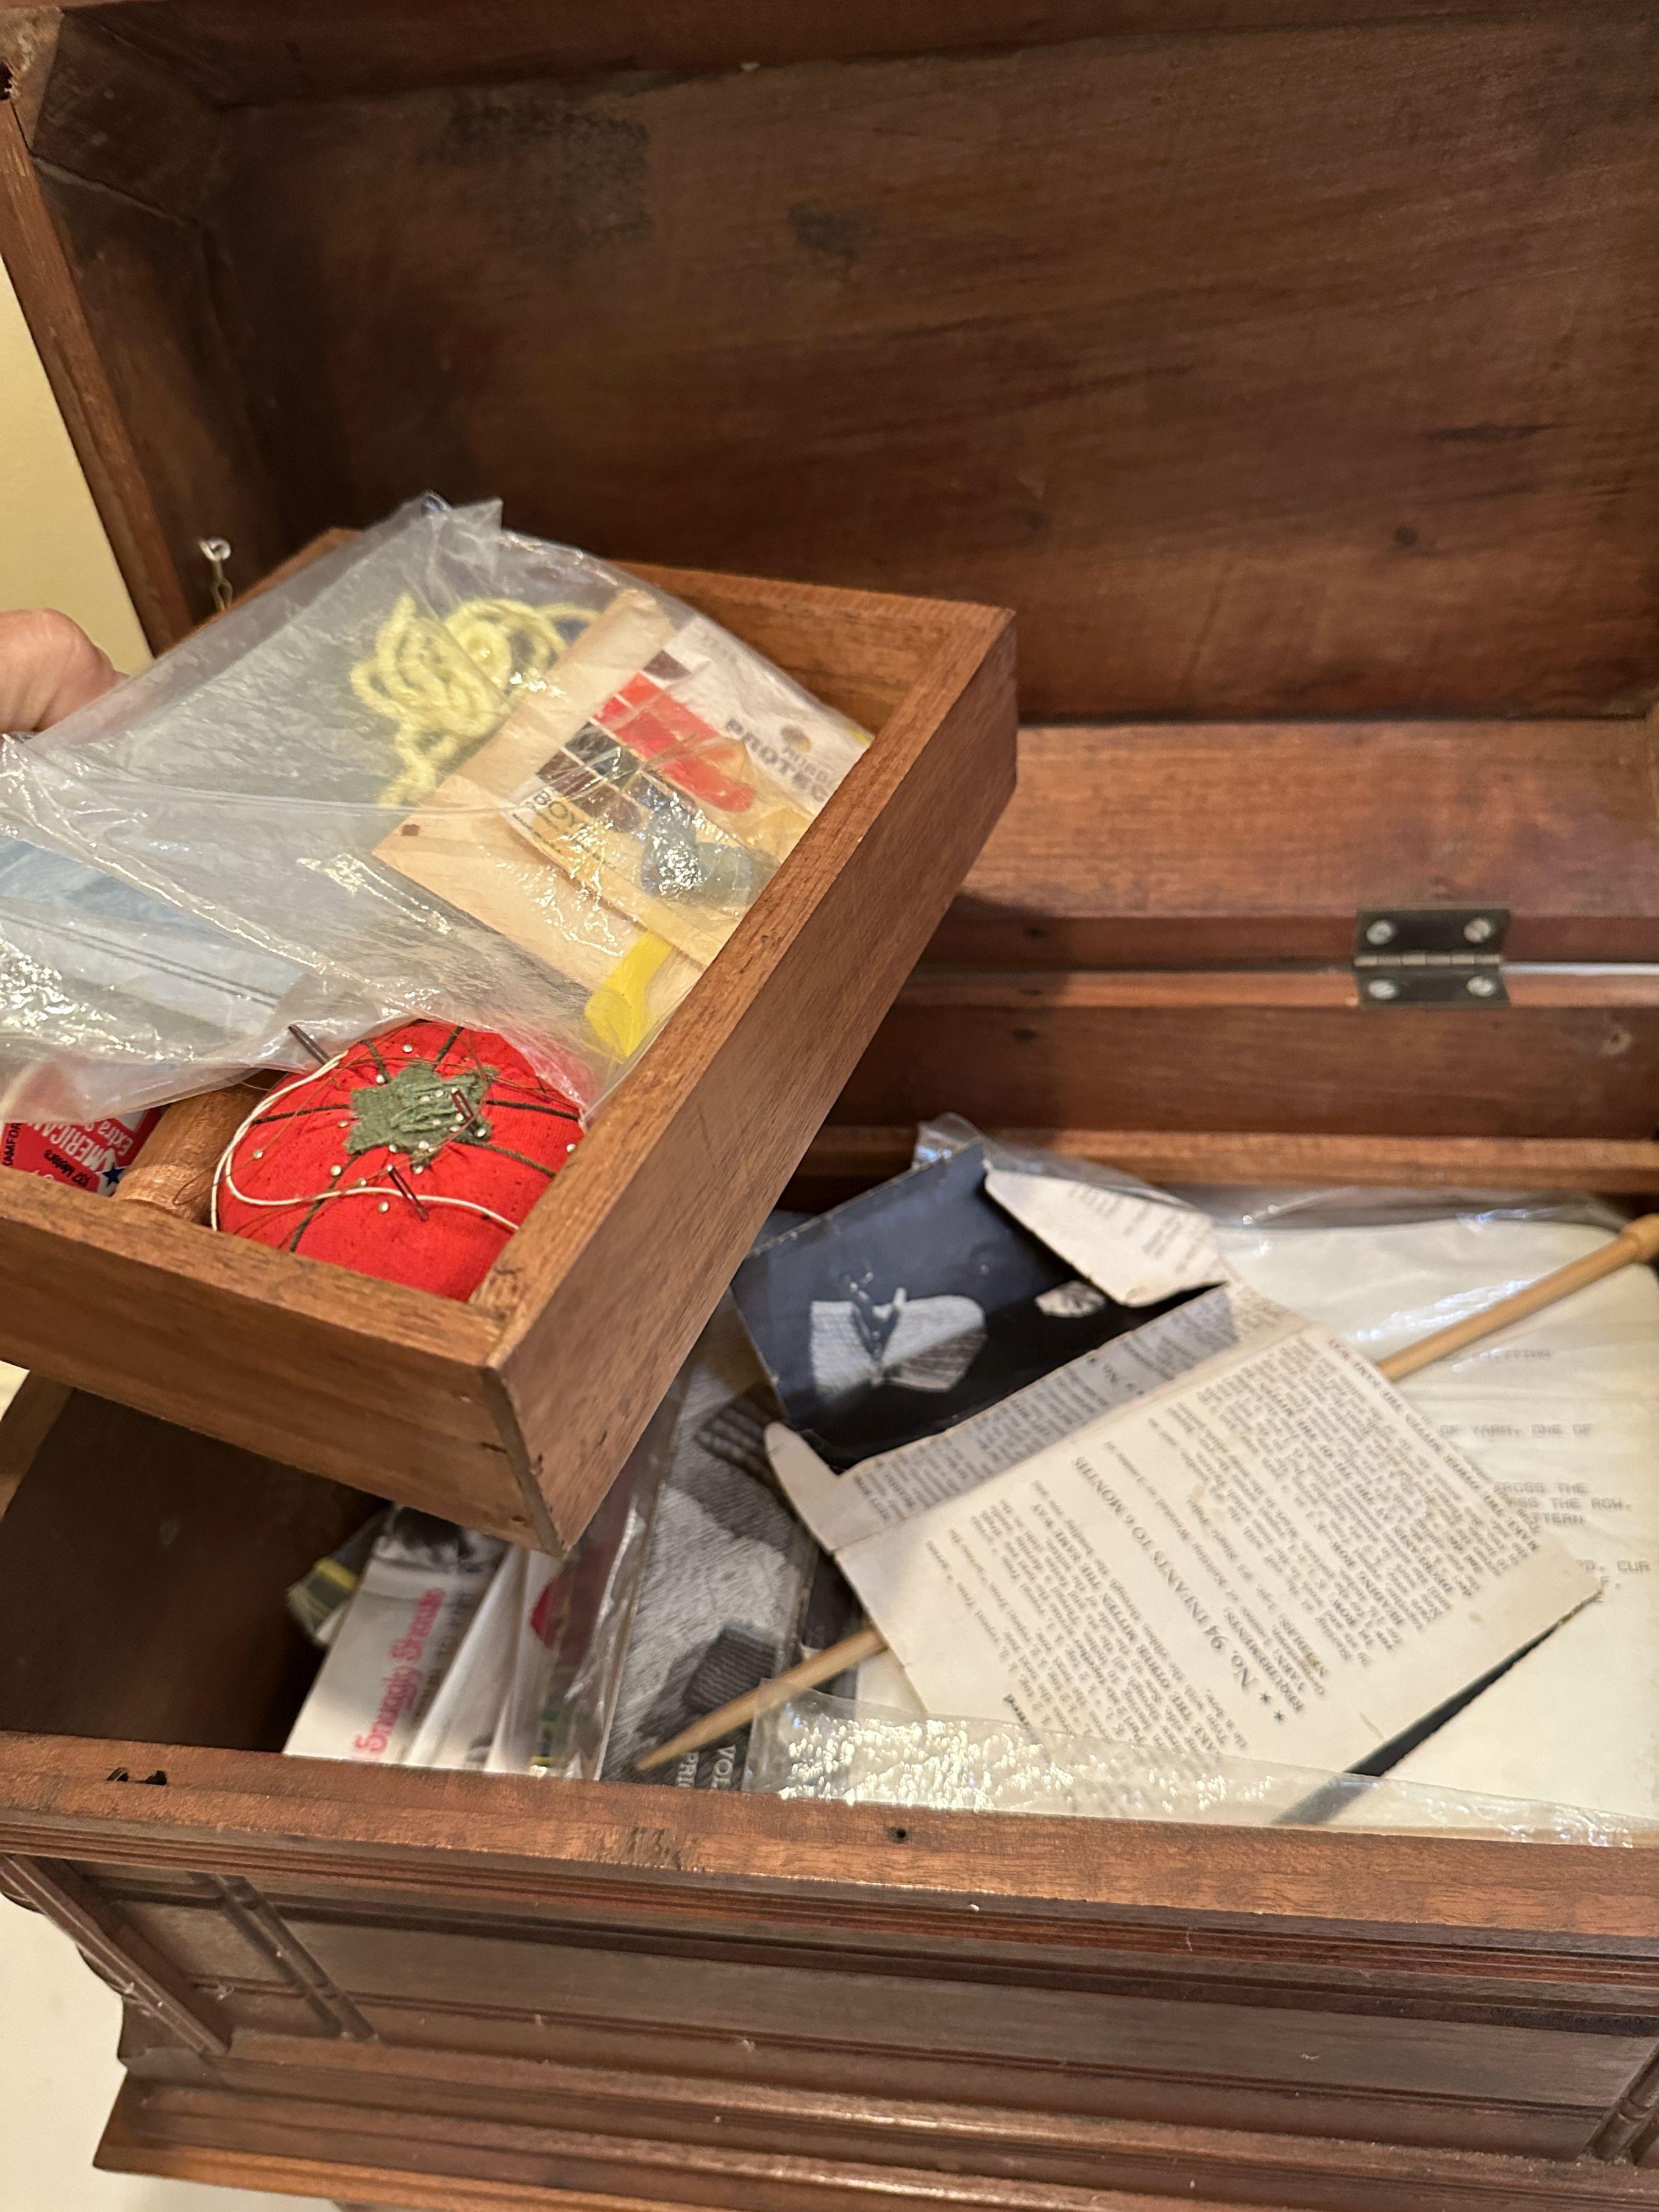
(48, 668)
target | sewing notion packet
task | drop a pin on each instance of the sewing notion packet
(445, 769)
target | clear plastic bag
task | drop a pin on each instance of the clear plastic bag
(1236, 1208)
(834, 1750)
(1385, 1267)
(734, 1589)
(108, 994)
(445, 770)
(396, 1640)
(575, 1615)
(456, 1649)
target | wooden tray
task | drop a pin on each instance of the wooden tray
(513, 1411)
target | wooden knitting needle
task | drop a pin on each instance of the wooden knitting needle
(1638, 1242)
(175, 1170)
(822, 1666)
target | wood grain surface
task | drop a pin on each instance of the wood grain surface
(1313, 381)
(245, 51)
(845, 1157)
(1443, 1918)
(471, 2164)
(1322, 394)
(28, 1420)
(114, 1949)
(1169, 845)
(146, 1565)
(1215, 1052)
(361, 1379)
(876, 1996)
(127, 202)
(1207, 848)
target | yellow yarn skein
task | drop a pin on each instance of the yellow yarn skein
(446, 681)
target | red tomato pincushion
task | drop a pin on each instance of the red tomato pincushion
(414, 1155)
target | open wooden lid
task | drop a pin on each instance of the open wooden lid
(1287, 359)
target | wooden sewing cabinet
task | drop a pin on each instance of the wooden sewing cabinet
(1288, 366)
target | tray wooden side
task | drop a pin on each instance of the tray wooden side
(365, 1381)
(697, 1144)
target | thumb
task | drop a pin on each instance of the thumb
(48, 668)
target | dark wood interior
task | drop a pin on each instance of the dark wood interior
(142, 1574)
(1226, 845)
(1157, 938)
(1285, 363)
(1272, 360)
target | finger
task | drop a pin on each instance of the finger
(48, 668)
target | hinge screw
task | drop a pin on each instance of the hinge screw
(1380, 987)
(1478, 931)
(1379, 933)
(1481, 986)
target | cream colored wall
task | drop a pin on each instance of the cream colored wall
(53, 552)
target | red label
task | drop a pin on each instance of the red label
(87, 1155)
(680, 746)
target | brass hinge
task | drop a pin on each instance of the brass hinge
(1431, 955)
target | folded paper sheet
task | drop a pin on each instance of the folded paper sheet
(1270, 1556)
(894, 1486)
(1136, 1250)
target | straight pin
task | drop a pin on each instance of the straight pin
(308, 1043)
(408, 1190)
